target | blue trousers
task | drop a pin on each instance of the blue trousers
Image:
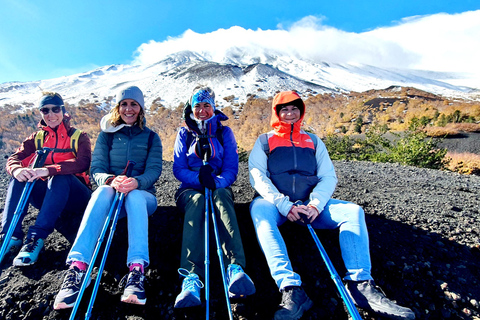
(58, 194)
(138, 205)
(346, 216)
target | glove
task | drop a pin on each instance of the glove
(206, 178)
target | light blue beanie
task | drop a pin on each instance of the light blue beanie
(133, 93)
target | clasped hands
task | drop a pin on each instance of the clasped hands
(206, 178)
(298, 212)
(29, 174)
(124, 184)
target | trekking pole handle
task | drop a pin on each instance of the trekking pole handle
(129, 167)
(41, 156)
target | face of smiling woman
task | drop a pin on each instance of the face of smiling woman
(289, 114)
(52, 119)
(129, 110)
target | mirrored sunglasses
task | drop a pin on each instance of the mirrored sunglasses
(46, 110)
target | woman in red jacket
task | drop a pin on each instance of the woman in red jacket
(61, 184)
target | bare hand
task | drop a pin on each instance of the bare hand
(27, 174)
(297, 212)
(124, 184)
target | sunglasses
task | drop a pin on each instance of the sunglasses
(46, 110)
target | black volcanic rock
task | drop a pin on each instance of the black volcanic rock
(424, 240)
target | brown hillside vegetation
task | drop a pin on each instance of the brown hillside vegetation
(393, 109)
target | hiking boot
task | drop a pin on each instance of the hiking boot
(134, 290)
(239, 283)
(294, 303)
(13, 243)
(68, 293)
(368, 296)
(28, 255)
(190, 295)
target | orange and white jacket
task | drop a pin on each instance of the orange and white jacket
(293, 170)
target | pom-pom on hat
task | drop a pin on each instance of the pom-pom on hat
(133, 93)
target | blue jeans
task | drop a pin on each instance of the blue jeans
(347, 216)
(138, 205)
(53, 196)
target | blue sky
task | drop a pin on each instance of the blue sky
(48, 39)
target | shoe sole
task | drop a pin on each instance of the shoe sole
(63, 305)
(301, 310)
(189, 300)
(133, 299)
(19, 263)
(241, 287)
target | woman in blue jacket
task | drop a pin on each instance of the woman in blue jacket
(204, 138)
(124, 137)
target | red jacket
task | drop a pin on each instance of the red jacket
(56, 163)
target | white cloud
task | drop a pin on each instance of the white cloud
(440, 42)
(443, 42)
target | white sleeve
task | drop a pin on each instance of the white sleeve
(257, 164)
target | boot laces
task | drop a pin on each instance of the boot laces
(73, 278)
(191, 280)
(32, 245)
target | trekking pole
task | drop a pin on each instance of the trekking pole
(116, 207)
(23, 201)
(207, 254)
(207, 249)
(333, 273)
(220, 257)
(121, 198)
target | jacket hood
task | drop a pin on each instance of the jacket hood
(283, 98)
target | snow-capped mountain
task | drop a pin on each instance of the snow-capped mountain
(234, 77)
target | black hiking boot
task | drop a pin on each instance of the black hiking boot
(294, 303)
(368, 296)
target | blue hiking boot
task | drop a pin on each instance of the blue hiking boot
(239, 283)
(14, 243)
(68, 293)
(190, 295)
(134, 289)
(28, 255)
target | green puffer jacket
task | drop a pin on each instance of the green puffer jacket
(128, 143)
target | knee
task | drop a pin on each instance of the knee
(355, 213)
(59, 181)
(135, 198)
(102, 192)
(222, 194)
(262, 210)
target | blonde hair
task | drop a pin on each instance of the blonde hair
(116, 118)
(51, 94)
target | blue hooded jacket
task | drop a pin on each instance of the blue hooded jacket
(187, 159)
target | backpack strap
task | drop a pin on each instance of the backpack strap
(314, 139)
(40, 137)
(150, 140)
(219, 136)
(74, 140)
(264, 140)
